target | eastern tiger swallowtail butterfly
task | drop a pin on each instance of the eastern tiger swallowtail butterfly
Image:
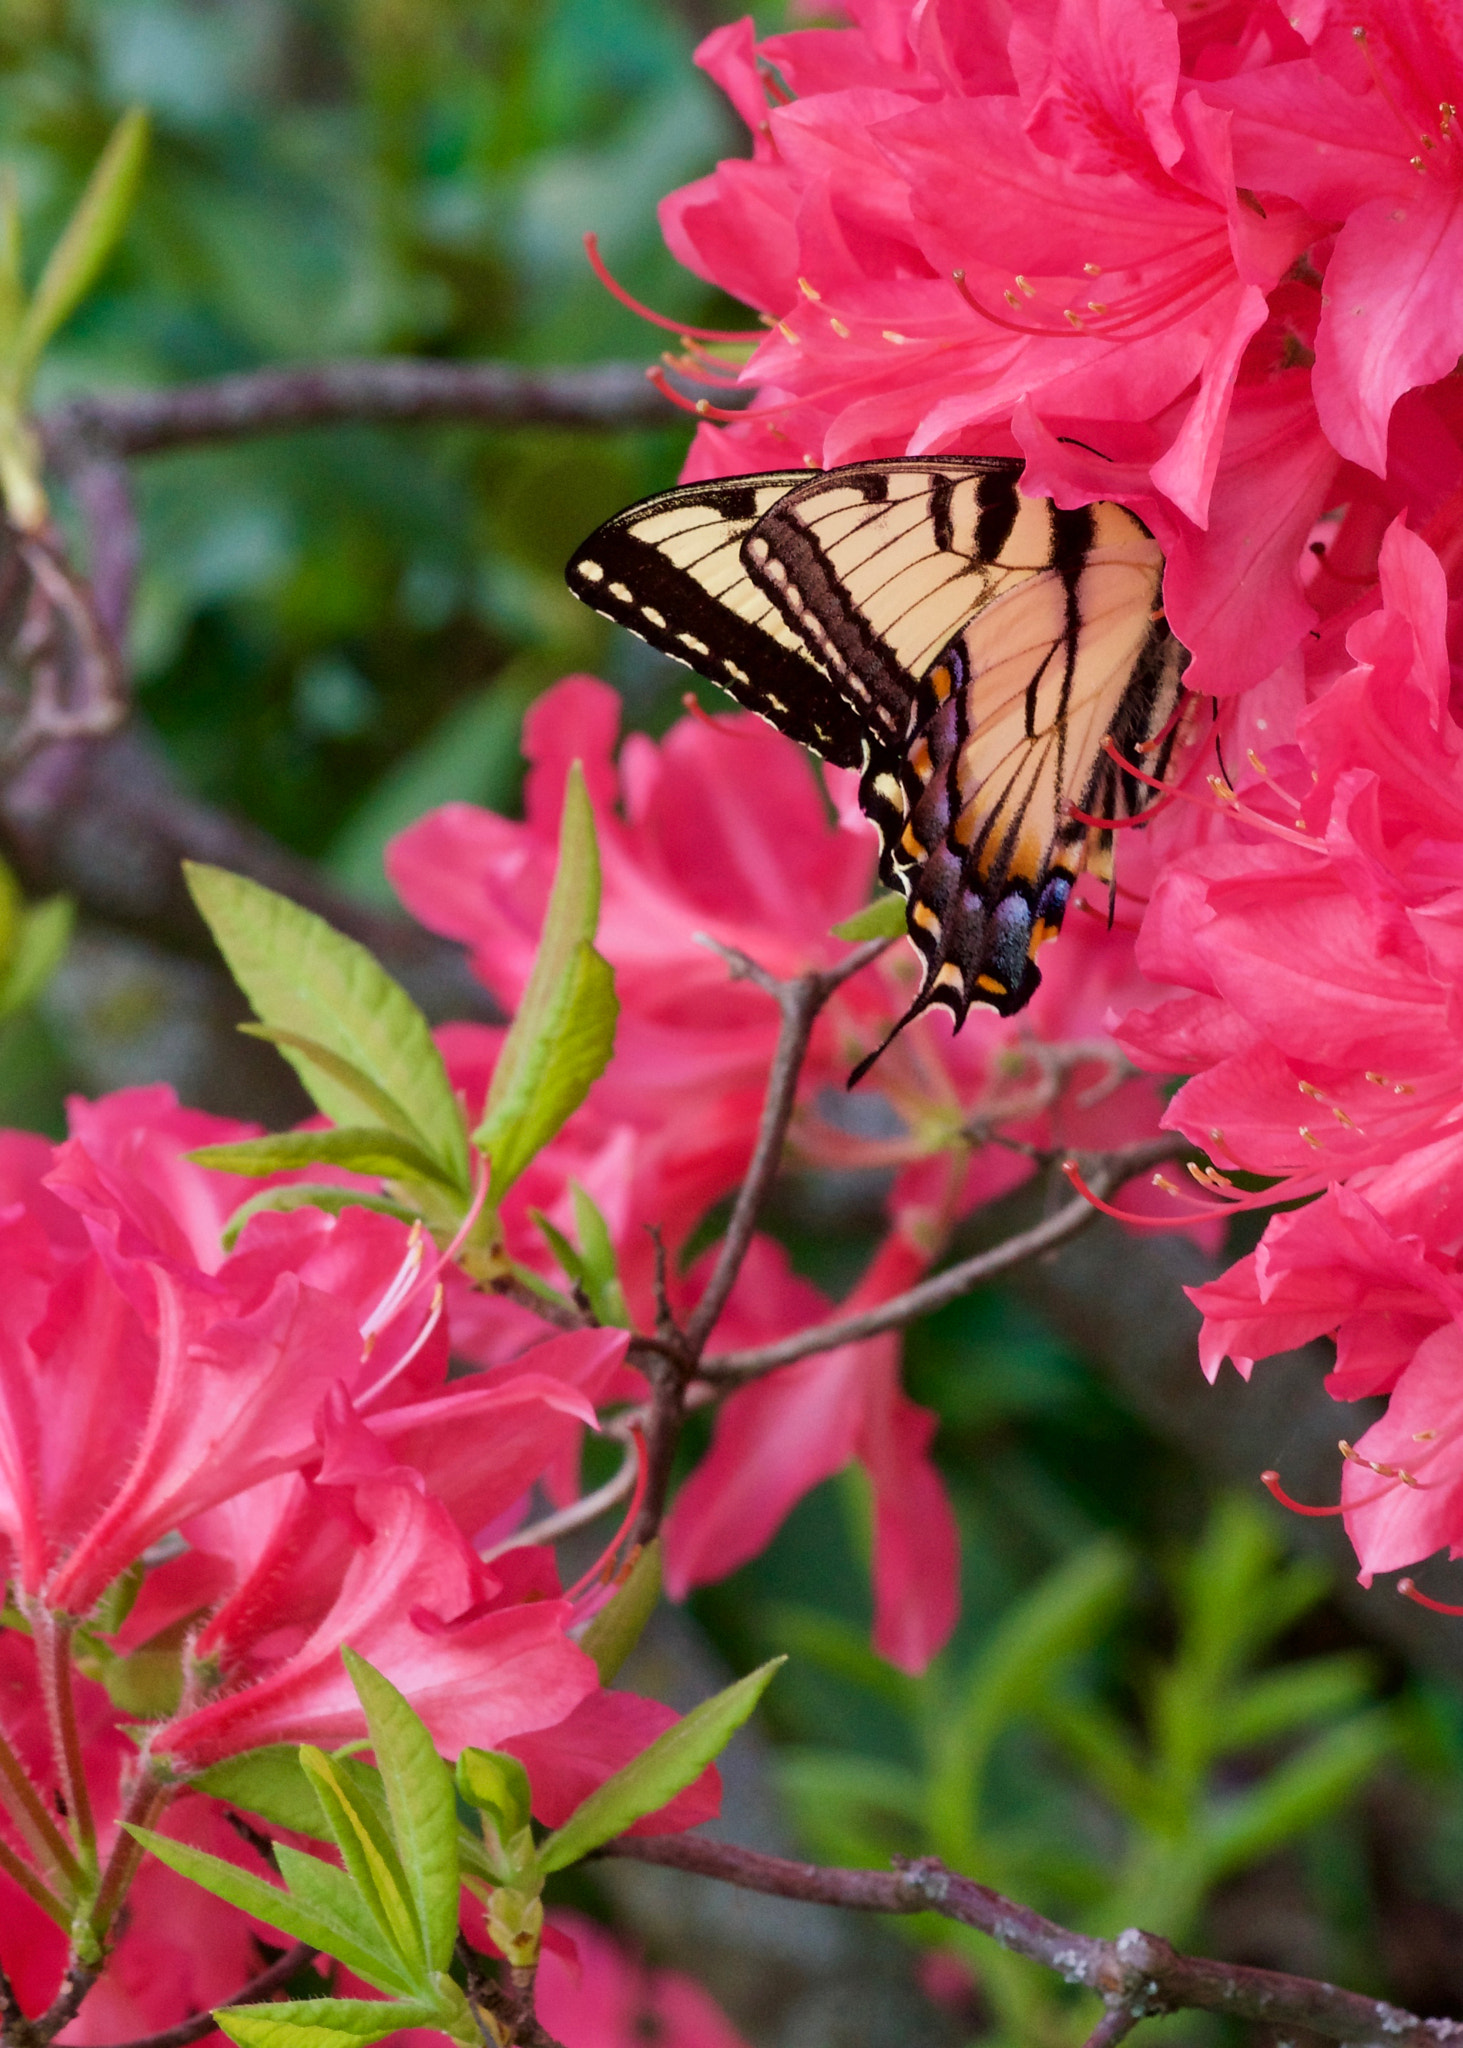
(967, 649)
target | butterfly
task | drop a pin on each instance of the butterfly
(969, 650)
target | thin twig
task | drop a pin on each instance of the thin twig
(578, 1512)
(670, 1361)
(258, 1988)
(381, 389)
(67, 2003)
(1139, 1975)
(506, 2007)
(1115, 2025)
(800, 1002)
(1105, 1173)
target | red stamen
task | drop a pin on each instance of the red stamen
(1180, 710)
(1200, 1209)
(1409, 1592)
(724, 726)
(702, 408)
(603, 1569)
(1117, 824)
(618, 291)
(1271, 1482)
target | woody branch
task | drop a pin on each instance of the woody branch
(1139, 1976)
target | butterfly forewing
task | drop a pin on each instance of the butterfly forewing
(878, 565)
(670, 570)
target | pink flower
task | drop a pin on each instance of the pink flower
(604, 1998)
(781, 1435)
(1363, 133)
(1320, 947)
(415, 1601)
(986, 243)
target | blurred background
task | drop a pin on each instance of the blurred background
(1166, 1703)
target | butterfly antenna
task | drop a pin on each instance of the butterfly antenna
(916, 1009)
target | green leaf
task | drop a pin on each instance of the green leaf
(268, 1903)
(342, 1072)
(885, 918)
(370, 1856)
(1295, 1694)
(618, 1626)
(562, 1037)
(356, 1148)
(325, 2022)
(305, 978)
(272, 1783)
(1298, 1793)
(601, 1268)
(498, 1784)
(324, 1195)
(671, 1763)
(12, 285)
(557, 1070)
(87, 240)
(40, 938)
(419, 1794)
(327, 1892)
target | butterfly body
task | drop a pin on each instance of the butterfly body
(970, 650)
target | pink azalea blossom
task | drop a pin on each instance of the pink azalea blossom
(778, 1437)
(1319, 947)
(985, 242)
(600, 1996)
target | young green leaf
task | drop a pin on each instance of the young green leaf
(671, 1763)
(562, 1037)
(882, 919)
(87, 240)
(371, 1858)
(618, 1626)
(423, 1809)
(498, 1784)
(357, 1148)
(601, 1268)
(334, 1899)
(272, 1783)
(305, 978)
(308, 1195)
(274, 1907)
(331, 2022)
(38, 944)
(557, 1069)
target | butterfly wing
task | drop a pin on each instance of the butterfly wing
(1010, 724)
(670, 569)
(876, 565)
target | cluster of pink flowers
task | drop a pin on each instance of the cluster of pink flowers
(268, 1444)
(722, 834)
(1200, 260)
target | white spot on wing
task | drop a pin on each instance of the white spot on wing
(590, 571)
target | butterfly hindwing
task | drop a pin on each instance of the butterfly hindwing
(1011, 722)
(670, 570)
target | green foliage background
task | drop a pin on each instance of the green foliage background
(337, 630)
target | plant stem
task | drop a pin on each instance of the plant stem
(27, 1810)
(1138, 1975)
(1106, 1172)
(52, 1636)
